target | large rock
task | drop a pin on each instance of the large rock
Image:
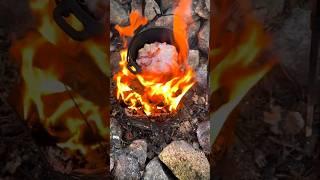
(155, 171)
(292, 43)
(203, 134)
(127, 167)
(185, 162)
(118, 15)
(138, 149)
(150, 7)
(203, 37)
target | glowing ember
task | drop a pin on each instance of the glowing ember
(148, 93)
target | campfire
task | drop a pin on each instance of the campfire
(154, 72)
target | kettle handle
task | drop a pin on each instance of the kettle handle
(91, 26)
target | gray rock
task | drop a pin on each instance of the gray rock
(118, 15)
(193, 59)
(202, 10)
(138, 149)
(203, 37)
(195, 16)
(292, 42)
(115, 134)
(293, 123)
(166, 4)
(149, 11)
(166, 21)
(185, 162)
(111, 163)
(203, 135)
(154, 171)
(193, 30)
(136, 5)
(127, 167)
(202, 75)
(207, 2)
(185, 127)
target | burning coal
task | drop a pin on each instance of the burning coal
(166, 76)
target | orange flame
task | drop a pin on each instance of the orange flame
(150, 93)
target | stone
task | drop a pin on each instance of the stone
(202, 10)
(118, 15)
(155, 171)
(292, 44)
(273, 118)
(111, 163)
(127, 167)
(195, 16)
(136, 5)
(202, 75)
(185, 127)
(166, 4)
(115, 134)
(165, 21)
(203, 37)
(293, 123)
(207, 2)
(150, 7)
(203, 135)
(193, 59)
(138, 149)
(185, 162)
(193, 31)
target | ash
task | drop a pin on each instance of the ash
(158, 58)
